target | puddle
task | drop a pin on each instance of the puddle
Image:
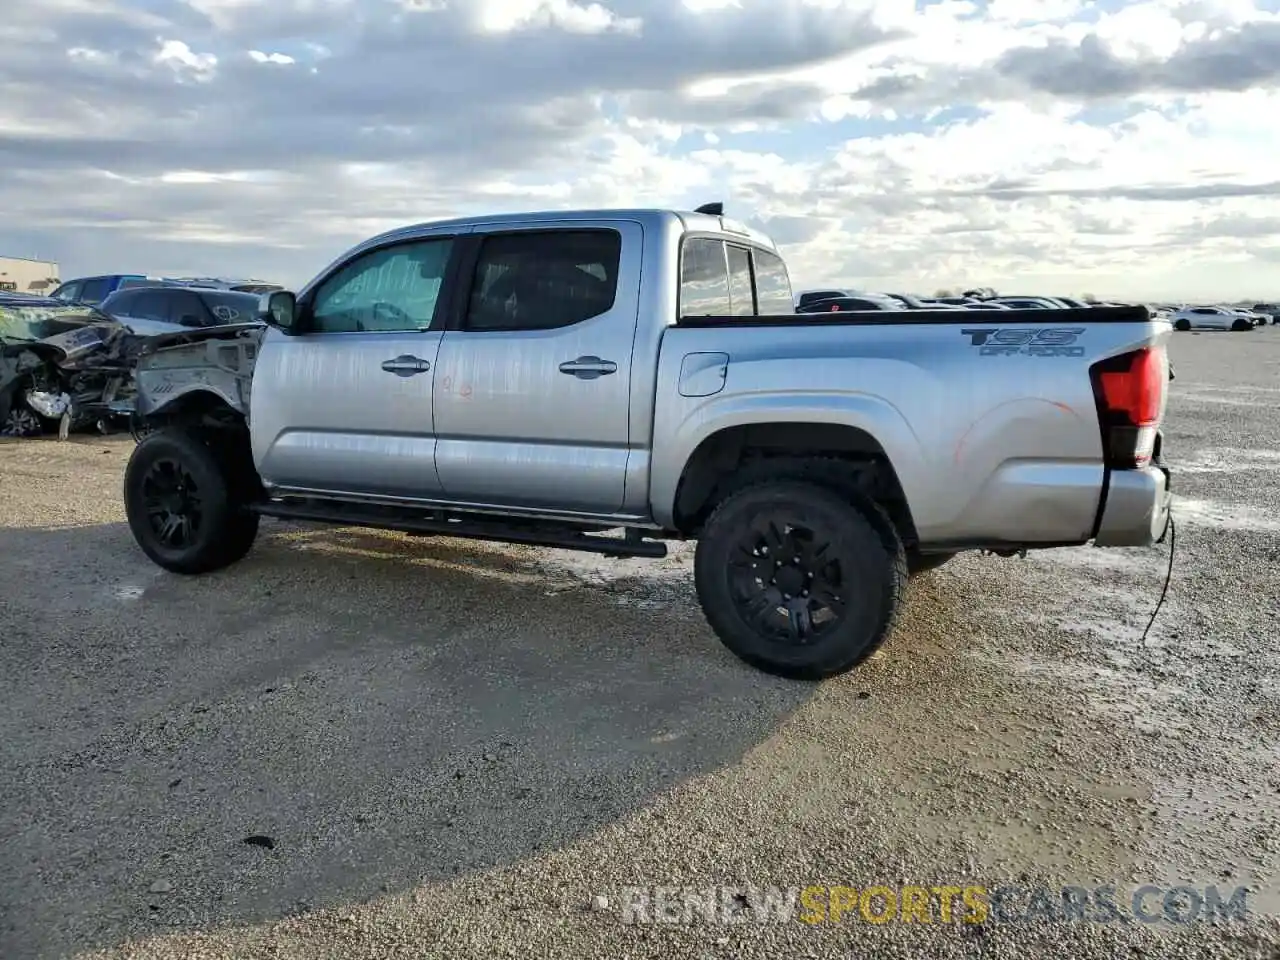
(1197, 397)
(1207, 513)
(1199, 813)
(1101, 559)
(1229, 460)
(1198, 387)
(598, 570)
(1153, 708)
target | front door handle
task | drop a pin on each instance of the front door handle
(588, 368)
(406, 365)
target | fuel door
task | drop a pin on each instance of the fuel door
(702, 374)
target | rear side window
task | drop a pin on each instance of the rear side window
(773, 286)
(147, 305)
(704, 279)
(544, 279)
(742, 297)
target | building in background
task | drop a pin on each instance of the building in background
(28, 276)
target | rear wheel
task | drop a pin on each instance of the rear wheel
(186, 494)
(1182, 324)
(799, 581)
(1241, 324)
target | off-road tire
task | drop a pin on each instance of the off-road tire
(223, 476)
(865, 539)
(1182, 324)
(918, 563)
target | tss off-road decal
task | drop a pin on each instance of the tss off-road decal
(1039, 342)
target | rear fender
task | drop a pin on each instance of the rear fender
(871, 414)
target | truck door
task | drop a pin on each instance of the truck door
(532, 388)
(346, 407)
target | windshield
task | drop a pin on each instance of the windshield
(44, 318)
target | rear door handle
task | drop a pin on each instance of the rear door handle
(588, 368)
(406, 365)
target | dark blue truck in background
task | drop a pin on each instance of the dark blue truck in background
(92, 290)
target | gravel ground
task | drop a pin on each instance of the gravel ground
(460, 749)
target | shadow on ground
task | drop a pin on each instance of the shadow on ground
(386, 710)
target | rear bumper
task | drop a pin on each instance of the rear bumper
(1137, 508)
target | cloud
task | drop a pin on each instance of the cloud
(882, 142)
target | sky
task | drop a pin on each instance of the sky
(1119, 149)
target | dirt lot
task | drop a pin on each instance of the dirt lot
(456, 748)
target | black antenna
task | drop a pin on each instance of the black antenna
(715, 209)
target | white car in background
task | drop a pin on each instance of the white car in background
(1212, 318)
(1259, 319)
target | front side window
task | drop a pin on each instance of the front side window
(68, 291)
(388, 290)
(773, 286)
(544, 279)
(704, 279)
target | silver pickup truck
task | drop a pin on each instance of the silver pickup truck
(611, 380)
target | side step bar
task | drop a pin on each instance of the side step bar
(533, 534)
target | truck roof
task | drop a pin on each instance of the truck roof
(690, 220)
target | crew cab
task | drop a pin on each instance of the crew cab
(612, 380)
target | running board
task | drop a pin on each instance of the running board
(534, 534)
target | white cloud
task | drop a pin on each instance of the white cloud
(1122, 149)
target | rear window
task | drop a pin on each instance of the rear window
(773, 286)
(719, 279)
(741, 290)
(704, 279)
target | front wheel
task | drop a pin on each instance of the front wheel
(1182, 325)
(1241, 325)
(797, 580)
(186, 496)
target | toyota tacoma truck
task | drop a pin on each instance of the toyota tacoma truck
(612, 380)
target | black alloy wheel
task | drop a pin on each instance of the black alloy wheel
(188, 496)
(787, 579)
(172, 499)
(798, 579)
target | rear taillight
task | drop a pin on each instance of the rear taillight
(1130, 394)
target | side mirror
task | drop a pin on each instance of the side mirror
(279, 309)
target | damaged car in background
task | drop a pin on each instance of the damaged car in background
(63, 367)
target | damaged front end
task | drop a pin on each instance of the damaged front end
(207, 373)
(63, 367)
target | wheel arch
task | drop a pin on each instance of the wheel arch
(836, 455)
